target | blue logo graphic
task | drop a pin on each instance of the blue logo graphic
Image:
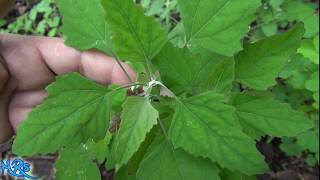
(18, 168)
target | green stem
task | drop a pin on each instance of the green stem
(149, 69)
(119, 63)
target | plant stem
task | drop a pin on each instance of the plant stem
(130, 85)
(122, 68)
(149, 70)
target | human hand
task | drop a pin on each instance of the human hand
(33, 62)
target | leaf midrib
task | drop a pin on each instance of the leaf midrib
(133, 31)
(194, 34)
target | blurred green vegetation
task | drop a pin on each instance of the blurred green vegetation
(42, 19)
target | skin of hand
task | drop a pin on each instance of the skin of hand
(32, 64)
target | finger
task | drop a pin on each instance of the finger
(24, 62)
(92, 64)
(38, 59)
(22, 103)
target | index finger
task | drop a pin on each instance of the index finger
(26, 55)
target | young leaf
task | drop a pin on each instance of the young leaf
(84, 26)
(194, 74)
(76, 163)
(267, 116)
(137, 119)
(163, 161)
(259, 64)
(76, 109)
(204, 126)
(136, 36)
(217, 25)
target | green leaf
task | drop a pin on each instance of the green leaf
(137, 119)
(260, 63)
(76, 163)
(313, 83)
(311, 160)
(123, 174)
(177, 36)
(316, 42)
(296, 65)
(164, 162)
(84, 26)
(229, 175)
(264, 114)
(275, 4)
(76, 109)
(217, 25)
(2, 22)
(99, 149)
(136, 36)
(290, 147)
(204, 126)
(133, 165)
(297, 10)
(309, 140)
(194, 74)
(270, 29)
(309, 50)
(297, 71)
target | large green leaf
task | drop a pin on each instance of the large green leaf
(77, 163)
(137, 119)
(136, 36)
(84, 26)
(262, 115)
(76, 109)
(182, 71)
(258, 65)
(204, 126)
(164, 162)
(217, 25)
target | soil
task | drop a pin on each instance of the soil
(282, 167)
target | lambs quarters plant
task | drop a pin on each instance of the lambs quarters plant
(201, 100)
